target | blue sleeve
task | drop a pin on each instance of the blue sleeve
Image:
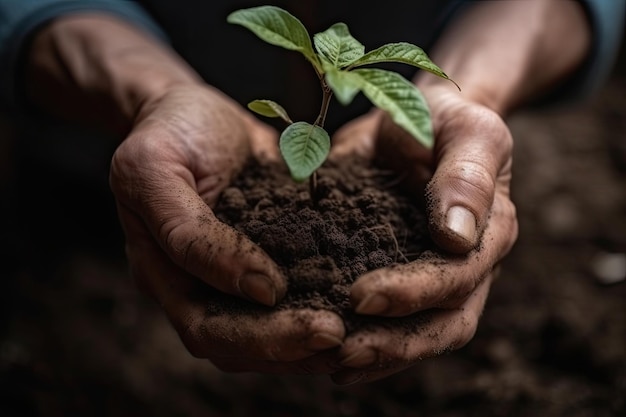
(607, 22)
(19, 18)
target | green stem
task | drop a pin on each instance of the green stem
(321, 119)
(327, 95)
(313, 188)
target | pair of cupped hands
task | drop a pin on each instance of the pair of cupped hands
(184, 149)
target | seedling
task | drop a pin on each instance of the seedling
(338, 59)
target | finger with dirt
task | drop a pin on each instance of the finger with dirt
(237, 335)
(435, 280)
(166, 175)
(379, 351)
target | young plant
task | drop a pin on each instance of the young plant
(337, 60)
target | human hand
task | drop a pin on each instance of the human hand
(465, 179)
(183, 150)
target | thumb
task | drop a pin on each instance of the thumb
(473, 164)
(158, 199)
(197, 242)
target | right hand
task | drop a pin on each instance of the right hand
(183, 150)
(469, 169)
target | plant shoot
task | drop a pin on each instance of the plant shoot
(337, 58)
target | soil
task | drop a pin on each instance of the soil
(358, 220)
(79, 339)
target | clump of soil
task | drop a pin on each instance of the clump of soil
(359, 221)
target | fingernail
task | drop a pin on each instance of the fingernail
(259, 288)
(374, 304)
(462, 222)
(321, 341)
(360, 359)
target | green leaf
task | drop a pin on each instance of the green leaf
(277, 27)
(304, 147)
(269, 108)
(401, 99)
(345, 84)
(337, 45)
(402, 52)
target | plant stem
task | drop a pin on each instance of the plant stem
(313, 188)
(321, 119)
(327, 95)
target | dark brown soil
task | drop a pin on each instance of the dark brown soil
(358, 221)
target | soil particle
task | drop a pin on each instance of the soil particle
(357, 224)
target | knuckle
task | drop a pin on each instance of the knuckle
(183, 242)
(172, 232)
(483, 121)
(472, 179)
(124, 163)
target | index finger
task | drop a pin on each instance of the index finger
(441, 281)
(217, 326)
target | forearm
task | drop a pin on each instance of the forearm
(507, 52)
(96, 68)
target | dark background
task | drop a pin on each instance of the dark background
(78, 339)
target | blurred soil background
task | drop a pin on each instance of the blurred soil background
(77, 338)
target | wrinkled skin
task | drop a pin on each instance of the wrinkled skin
(186, 147)
(470, 167)
(181, 154)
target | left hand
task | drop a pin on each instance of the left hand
(184, 149)
(465, 178)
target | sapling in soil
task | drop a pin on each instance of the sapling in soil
(355, 219)
(339, 60)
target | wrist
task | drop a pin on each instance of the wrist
(505, 54)
(474, 90)
(95, 68)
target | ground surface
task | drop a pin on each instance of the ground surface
(78, 339)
